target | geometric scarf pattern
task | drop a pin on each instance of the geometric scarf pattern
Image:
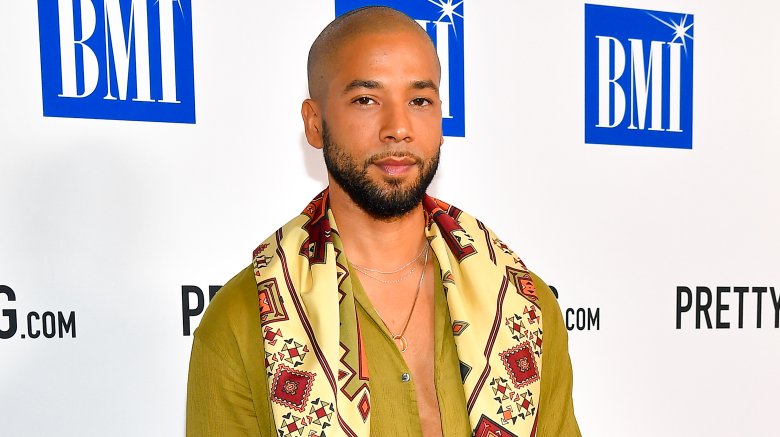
(315, 361)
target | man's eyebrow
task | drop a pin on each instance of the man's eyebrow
(362, 83)
(425, 84)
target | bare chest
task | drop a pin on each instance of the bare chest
(418, 342)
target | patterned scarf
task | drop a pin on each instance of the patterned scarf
(314, 357)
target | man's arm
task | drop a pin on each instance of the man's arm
(219, 402)
(226, 389)
(556, 408)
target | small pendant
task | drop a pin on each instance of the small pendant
(402, 343)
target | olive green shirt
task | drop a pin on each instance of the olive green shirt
(227, 392)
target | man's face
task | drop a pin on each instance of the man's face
(381, 121)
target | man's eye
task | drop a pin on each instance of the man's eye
(364, 101)
(420, 101)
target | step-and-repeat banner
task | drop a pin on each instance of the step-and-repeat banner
(147, 146)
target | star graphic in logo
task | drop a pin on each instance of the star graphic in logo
(448, 10)
(178, 2)
(680, 29)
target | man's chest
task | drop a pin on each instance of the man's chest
(417, 345)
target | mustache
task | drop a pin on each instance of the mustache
(392, 154)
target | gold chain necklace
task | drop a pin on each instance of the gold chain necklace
(366, 271)
(403, 343)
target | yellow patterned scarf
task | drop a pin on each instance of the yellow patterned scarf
(315, 363)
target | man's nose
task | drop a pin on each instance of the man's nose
(396, 124)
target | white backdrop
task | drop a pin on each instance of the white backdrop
(109, 219)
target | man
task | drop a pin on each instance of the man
(408, 318)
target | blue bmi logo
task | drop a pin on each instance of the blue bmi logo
(443, 20)
(638, 77)
(117, 59)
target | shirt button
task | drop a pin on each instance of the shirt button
(405, 377)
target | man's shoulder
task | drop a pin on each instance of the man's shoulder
(554, 329)
(545, 297)
(233, 311)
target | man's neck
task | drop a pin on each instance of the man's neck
(374, 243)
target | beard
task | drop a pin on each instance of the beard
(385, 200)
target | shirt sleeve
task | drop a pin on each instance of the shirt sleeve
(226, 389)
(556, 408)
(219, 402)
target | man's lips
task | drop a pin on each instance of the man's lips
(396, 165)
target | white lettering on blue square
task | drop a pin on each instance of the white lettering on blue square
(638, 77)
(117, 59)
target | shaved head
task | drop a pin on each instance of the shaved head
(363, 21)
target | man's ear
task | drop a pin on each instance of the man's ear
(312, 122)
